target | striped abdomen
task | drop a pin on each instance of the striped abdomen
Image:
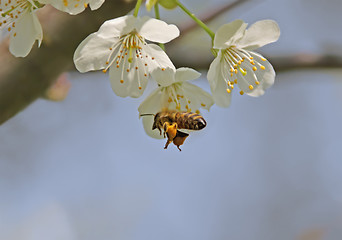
(184, 120)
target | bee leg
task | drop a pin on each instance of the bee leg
(170, 131)
(167, 143)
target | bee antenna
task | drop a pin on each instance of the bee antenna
(146, 114)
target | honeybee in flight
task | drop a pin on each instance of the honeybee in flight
(170, 121)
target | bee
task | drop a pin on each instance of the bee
(169, 122)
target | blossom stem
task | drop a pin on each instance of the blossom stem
(197, 20)
(136, 9)
(157, 14)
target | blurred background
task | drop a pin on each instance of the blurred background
(267, 168)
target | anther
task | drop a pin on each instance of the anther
(203, 105)
(257, 82)
(163, 69)
(139, 88)
(250, 87)
(262, 67)
(228, 90)
(104, 70)
(121, 81)
(235, 81)
(263, 59)
(254, 68)
(241, 92)
(107, 62)
(127, 70)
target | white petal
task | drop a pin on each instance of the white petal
(259, 34)
(164, 77)
(197, 96)
(218, 84)
(157, 57)
(28, 30)
(265, 77)
(151, 105)
(214, 72)
(117, 27)
(133, 82)
(148, 123)
(244, 81)
(72, 7)
(92, 53)
(229, 33)
(185, 74)
(156, 30)
(95, 4)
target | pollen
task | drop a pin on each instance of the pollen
(241, 92)
(250, 87)
(121, 81)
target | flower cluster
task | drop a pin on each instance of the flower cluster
(131, 49)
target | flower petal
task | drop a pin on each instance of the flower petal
(265, 77)
(71, 6)
(148, 123)
(128, 80)
(27, 31)
(164, 77)
(158, 58)
(229, 33)
(117, 27)
(151, 105)
(197, 96)
(214, 72)
(95, 4)
(156, 30)
(259, 34)
(92, 53)
(218, 83)
(185, 74)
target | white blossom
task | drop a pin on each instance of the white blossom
(73, 6)
(173, 93)
(236, 63)
(120, 46)
(20, 20)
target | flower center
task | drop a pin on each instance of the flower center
(128, 54)
(240, 66)
(12, 10)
